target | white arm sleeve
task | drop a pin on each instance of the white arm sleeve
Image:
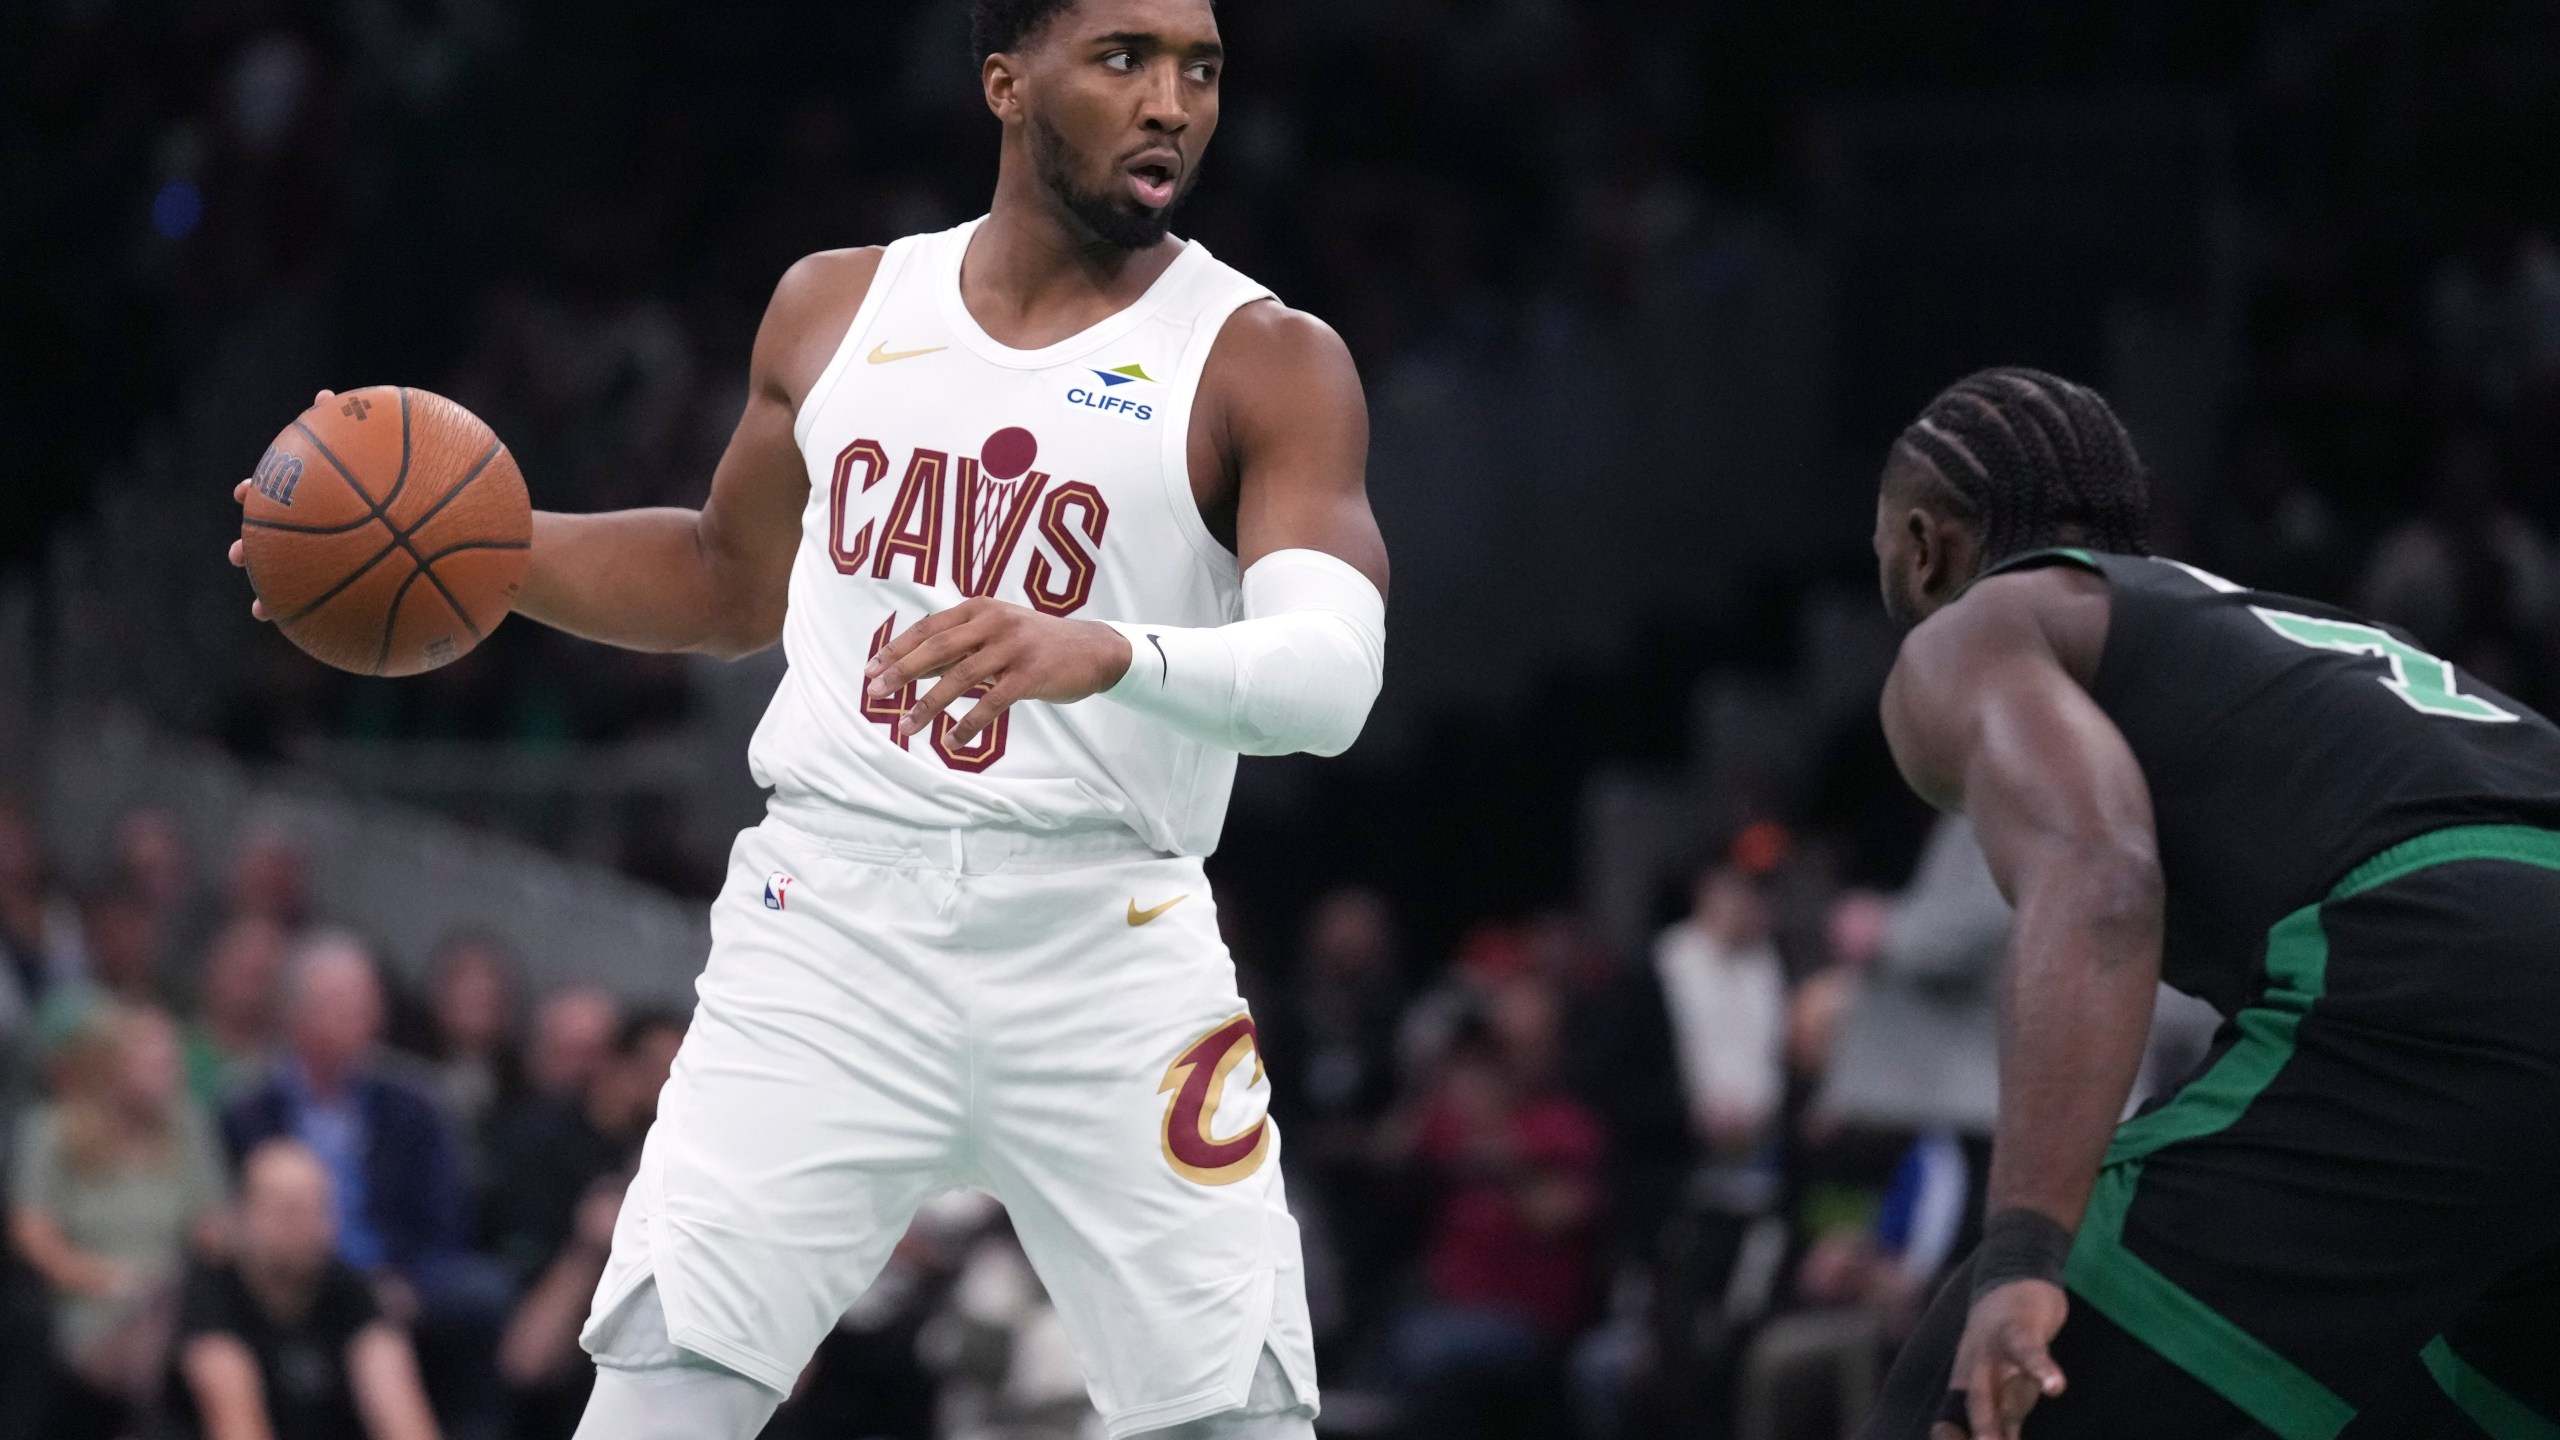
(1298, 672)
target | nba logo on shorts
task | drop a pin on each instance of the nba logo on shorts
(777, 887)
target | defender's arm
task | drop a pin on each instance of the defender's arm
(1984, 716)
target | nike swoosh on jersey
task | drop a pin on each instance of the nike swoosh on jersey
(881, 354)
(1141, 917)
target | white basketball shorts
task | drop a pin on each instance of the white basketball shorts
(888, 1013)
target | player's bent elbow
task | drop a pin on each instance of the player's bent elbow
(2118, 887)
(1310, 692)
(739, 631)
(738, 645)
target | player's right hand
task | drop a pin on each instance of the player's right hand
(240, 496)
(2003, 1366)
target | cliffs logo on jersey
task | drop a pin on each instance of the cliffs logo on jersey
(1197, 1080)
(1106, 397)
(777, 891)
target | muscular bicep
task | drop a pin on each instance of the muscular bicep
(1298, 435)
(750, 526)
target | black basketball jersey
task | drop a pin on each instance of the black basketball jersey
(2284, 742)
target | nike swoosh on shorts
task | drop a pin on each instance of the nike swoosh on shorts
(1141, 917)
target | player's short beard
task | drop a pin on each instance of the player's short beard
(1109, 216)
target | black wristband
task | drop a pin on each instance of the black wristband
(2019, 1244)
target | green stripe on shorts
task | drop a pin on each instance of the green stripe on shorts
(2487, 1403)
(2189, 1333)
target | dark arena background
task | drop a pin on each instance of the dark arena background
(1640, 294)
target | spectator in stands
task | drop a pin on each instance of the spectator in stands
(395, 1170)
(270, 879)
(572, 1035)
(113, 1181)
(152, 864)
(231, 1043)
(1333, 1036)
(121, 934)
(2471, 578)
(1815, 1370)
(560, 1166)
(1726, 991)
(287, 1342)
(39, 929)
(1918, 1046)
(471, 991)
(547, 1376)
(555, 1150)
(1507, 1267)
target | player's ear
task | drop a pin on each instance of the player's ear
(1001, 78)
(1944, 553)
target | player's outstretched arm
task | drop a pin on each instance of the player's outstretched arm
(1985, 715)
(716, 579)
(1287, 425)
(713, 580)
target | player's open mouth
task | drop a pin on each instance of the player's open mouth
(1151, 181)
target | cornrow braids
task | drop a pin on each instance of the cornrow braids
(2035, 460)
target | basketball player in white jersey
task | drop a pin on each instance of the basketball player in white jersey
(1054, 515)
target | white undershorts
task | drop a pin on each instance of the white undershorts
(892, 1012)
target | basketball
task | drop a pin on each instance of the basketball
(386, 531)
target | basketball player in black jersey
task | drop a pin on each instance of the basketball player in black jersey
(2348, 1222)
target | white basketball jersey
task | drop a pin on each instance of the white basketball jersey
(943, 465)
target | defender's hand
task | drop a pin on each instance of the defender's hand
(1003, 653)
(240, 496)
(2002, 1365)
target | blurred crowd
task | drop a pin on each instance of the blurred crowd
(1547, 1190)
(1550, 1185)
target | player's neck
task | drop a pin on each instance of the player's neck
(1030, 280)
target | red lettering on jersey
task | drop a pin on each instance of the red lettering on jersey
(1197, 1080)
(978, 754)
(915, 520)
(1067, 597)
(979, 563)
(875, 464)
(887, 710)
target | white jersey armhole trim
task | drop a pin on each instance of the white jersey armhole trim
(2205, 578)
(884, 279)
(1206, 328)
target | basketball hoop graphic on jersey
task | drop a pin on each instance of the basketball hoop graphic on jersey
(1198, 1080)
(998, 491)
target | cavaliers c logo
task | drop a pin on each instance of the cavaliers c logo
(1198, 1080)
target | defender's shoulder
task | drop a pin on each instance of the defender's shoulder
(2059, 610)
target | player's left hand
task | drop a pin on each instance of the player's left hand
(2003, 1365)
(1004, 653)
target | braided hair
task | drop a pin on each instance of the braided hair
(2034, 460)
